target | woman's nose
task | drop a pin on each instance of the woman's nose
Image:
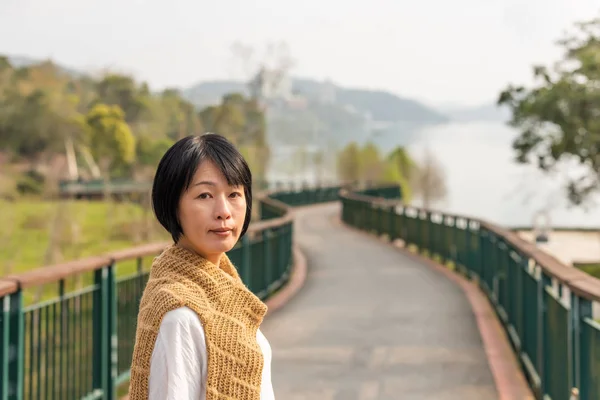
(222, 210)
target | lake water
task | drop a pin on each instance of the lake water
(482, 179)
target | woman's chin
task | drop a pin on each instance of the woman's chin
(223, 246)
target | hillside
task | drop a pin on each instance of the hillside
(211, 92)
(22, 61)
(331, 114)
(489, 112)
(380, 105)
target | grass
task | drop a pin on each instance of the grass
(589, 268)
(32, 231)
(35, 233)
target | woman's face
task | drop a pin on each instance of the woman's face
(211, 213)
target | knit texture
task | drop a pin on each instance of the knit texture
(230, 313)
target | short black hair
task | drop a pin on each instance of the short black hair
(176, 170)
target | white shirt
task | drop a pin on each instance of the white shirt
(178, 367)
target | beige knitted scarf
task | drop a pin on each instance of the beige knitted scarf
(230, 313)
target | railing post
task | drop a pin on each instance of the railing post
(392, 231)
(4, 343)
(98, 367)
(580, 310)
(246, 277)
(404, 226)
(13, 366)
(379, 228)
(418, 232)
(466, 253)
(267, 234)
(112, 337)
(282, 264)
(104, 372)
(289, 245)
(542, 341)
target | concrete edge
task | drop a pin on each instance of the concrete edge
(293, 285)
(507, 372)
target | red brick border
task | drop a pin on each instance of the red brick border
(508, 376)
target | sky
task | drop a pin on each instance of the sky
(436, 51)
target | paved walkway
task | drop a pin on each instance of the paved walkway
(370, 323)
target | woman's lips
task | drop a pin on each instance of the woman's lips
(222, 232)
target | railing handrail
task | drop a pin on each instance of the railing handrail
(55, 272)
(575, 280)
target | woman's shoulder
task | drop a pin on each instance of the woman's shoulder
(171, 294)
(181, 315)
(181, 321)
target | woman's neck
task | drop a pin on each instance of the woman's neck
(213, 258)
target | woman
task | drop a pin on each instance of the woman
(198, 333)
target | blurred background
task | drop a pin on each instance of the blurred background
(488, 109)
(312, 91)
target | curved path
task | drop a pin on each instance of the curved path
(371, 323)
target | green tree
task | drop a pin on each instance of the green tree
(371, 165)
(558, 117)
(242, 121)
(177, 116)
(111, 140)
(115, 89)
(112, 120)
(403, 161)
(399, 169)
(348, 163)
(149, 151)
(38, 112)
(255, 157)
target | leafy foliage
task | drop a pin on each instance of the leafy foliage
(424, 179)
(111, 140)
(348, 163)
(242, 121)
(368, 165)
(119, 122)
(558, 117)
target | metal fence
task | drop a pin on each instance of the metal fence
(545, 306)
(78, 343)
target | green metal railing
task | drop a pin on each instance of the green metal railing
(545, 306)
(97, 187)
(78, 344)
(298, 197)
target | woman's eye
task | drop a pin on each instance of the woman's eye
(236, 194)
(204, 196)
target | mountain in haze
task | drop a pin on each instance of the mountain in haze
(307, 112)
(211, 92)
(377, 105)
(24, 61)
(318, 112)
(488, 112)
(381, 105)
